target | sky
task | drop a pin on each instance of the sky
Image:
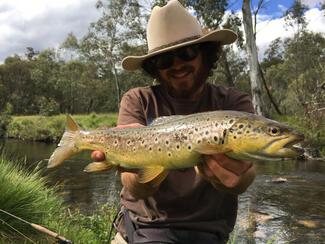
(45, 24)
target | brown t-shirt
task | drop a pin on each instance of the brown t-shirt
(184, 200)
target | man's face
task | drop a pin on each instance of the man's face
(184, 78)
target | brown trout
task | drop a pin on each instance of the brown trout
(175, 142)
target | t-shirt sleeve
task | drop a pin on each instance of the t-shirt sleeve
(131, 109)
(239, 101)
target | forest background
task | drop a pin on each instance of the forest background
(85, 76)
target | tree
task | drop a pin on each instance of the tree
(71, 45)
(120, 24)
(295, 16)
(254, 73)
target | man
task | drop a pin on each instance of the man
(190, 206)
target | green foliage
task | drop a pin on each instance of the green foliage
(48, 106)
(26, 195)
(97, 226)
(36, 128)
(314, 133)
(5, 119)
(50, 129)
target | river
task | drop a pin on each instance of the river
(285, 204)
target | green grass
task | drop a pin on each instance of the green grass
(313, 130)
(51, 128)
(26, 195)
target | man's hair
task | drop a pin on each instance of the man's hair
(210, 50)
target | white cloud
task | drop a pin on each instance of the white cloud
(42, 23)
(271, 29)
(282, 8)
(312, 3)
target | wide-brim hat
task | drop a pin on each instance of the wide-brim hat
(172, 26)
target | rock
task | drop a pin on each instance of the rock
(279, 180)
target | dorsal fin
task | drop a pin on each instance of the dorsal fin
(165, 119)
(71, 124)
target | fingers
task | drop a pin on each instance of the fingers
(98, 156)
(235, 166)
(226, 177)
(228, 171)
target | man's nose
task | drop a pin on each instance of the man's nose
(177, 62)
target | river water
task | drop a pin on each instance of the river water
(285, 204)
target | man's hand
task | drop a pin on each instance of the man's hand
(226, 173)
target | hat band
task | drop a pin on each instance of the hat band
(174, 43)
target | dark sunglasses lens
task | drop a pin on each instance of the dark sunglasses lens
(188, 53)
(164, 61)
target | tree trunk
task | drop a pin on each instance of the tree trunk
(254, 74)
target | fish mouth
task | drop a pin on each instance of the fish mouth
(290, 147)
(294, 147)
(285, 147)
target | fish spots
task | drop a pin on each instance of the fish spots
(169, 154)
(215, 138)
(231, 121)
(224, 134)
(206, 133)
(198, 141)
(167, 142)
(216, 124)
(159, 149)
(241, 126)
(178, 146)
(189, 147)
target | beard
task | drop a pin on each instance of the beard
(189, 87)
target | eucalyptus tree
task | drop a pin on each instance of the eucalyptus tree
(295, 16)
(119, 24)
(254, 72)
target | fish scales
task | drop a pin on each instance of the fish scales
(180, 141)
(165, 144)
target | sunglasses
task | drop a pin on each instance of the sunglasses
(166, 60)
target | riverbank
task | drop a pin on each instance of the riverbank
(26, 195)
(51, 128)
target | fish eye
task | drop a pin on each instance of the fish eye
(273, 131)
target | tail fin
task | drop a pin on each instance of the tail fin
(67, 146)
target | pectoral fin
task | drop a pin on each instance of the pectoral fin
(154, 175)
(98, 166)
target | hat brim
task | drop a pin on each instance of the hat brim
(223, 36)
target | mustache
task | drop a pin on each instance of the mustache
(185, 68)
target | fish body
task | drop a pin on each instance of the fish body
(176, 142)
